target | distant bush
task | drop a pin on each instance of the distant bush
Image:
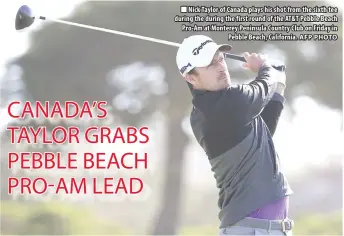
(53, 219)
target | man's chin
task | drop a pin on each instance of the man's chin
(224, 84)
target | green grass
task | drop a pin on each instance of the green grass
(319, 224)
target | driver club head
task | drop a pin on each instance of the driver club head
(24, 18)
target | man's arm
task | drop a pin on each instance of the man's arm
(256, 94)
(273, 109)
(240, 104)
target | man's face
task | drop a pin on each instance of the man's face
(213, 77)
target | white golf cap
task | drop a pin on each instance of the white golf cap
(197, 51)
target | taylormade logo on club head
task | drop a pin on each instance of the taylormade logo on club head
(196, 50)
(184, 68)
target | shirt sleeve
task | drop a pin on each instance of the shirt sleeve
(272, 112)
(241, 104)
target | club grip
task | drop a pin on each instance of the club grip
(241, 58)
(235, 57)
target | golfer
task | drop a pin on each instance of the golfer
(235, 124)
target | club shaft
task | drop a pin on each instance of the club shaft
(235, 57)
(165, 42)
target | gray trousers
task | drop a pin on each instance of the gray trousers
(251, 226)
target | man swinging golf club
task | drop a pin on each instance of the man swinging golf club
(234, 125)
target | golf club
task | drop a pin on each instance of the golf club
(25, 18)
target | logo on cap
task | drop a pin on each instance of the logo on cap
(184, 68)
(196, 50)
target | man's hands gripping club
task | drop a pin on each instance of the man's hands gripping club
(255, 61)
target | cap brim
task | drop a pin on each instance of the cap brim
(222, 48)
